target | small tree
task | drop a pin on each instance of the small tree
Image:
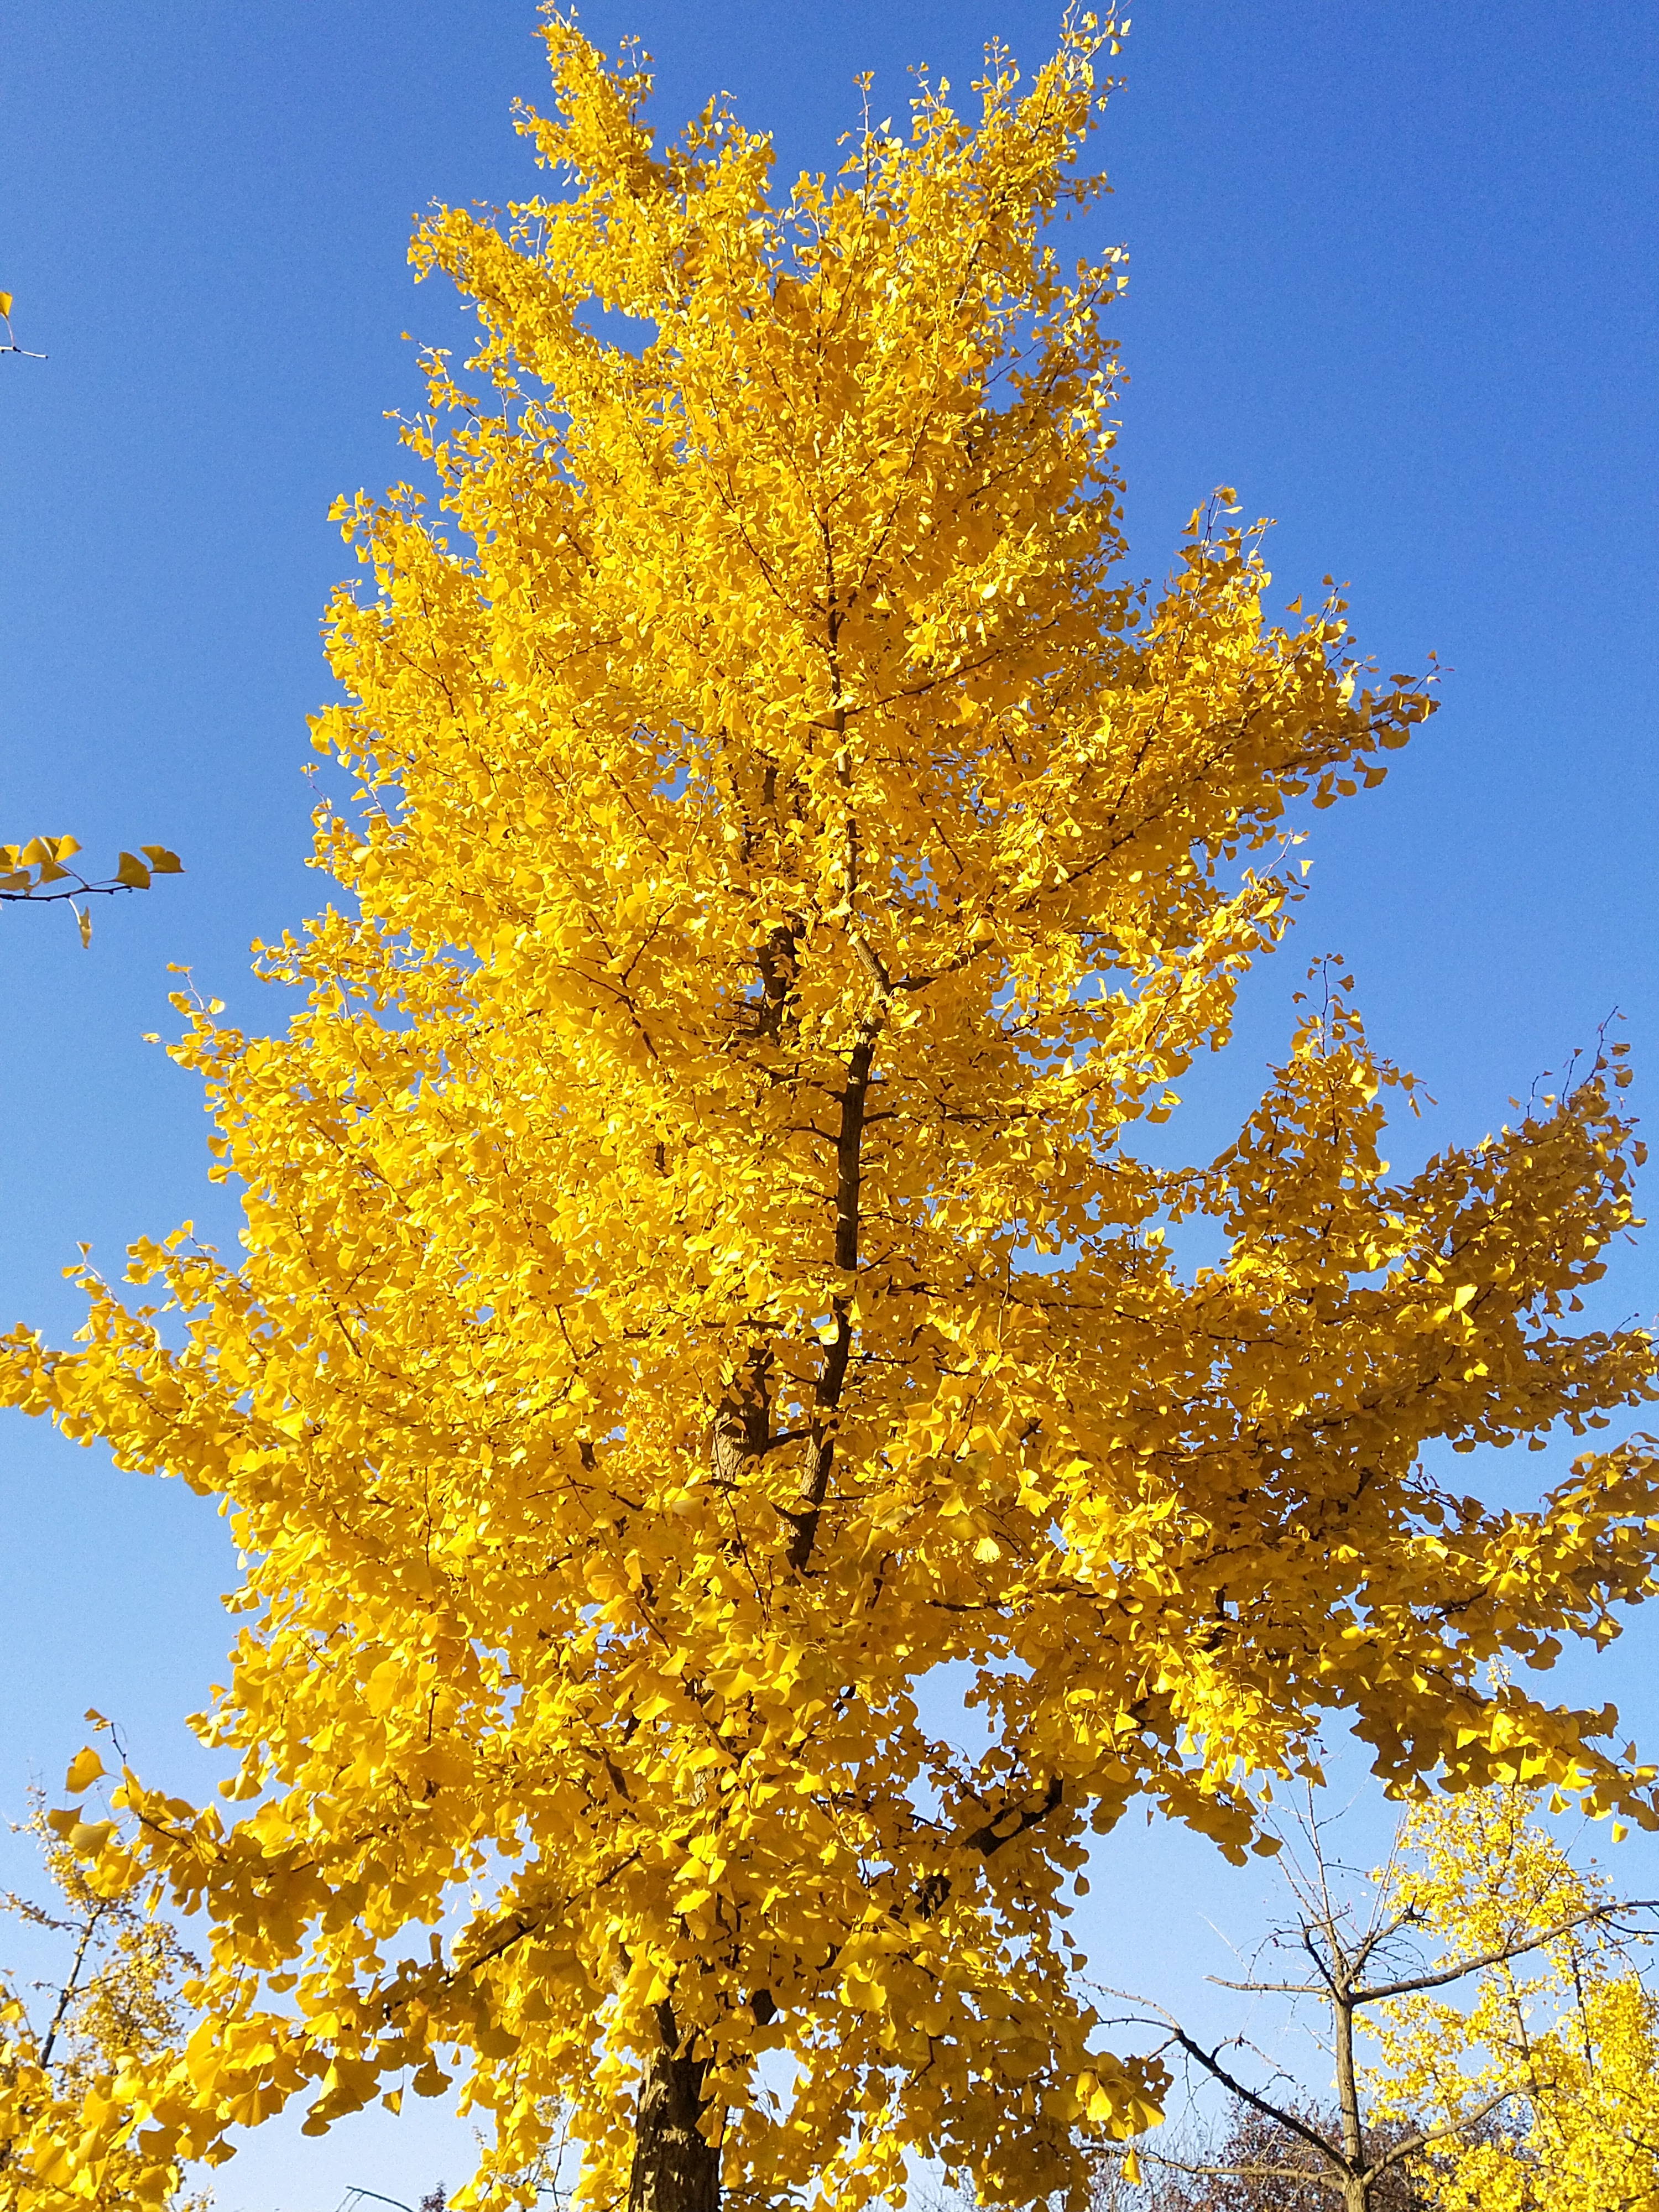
(1560, 2041)
(1500, 2096)
(72, 2044)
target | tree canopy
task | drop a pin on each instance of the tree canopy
(698, 1278)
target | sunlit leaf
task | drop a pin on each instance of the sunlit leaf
(84, 1769)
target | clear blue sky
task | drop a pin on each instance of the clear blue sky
(1393, 276)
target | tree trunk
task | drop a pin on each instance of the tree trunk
(1356, 2182)
(675, 2169)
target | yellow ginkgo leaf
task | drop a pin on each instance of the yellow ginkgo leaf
(85, 1768)
(130, 871)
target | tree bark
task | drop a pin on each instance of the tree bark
(676, 2168)
(1356, 2179)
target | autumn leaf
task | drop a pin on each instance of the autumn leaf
(84, 1769)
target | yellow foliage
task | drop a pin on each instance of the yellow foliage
(70, 2064)
(696, 1278)
(1570, 2031)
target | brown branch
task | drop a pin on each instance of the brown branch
(985, 1839)
(1426, 2135)
(815, 1485)
(1212, 2065)
(1518, 1949)
(69, 1989)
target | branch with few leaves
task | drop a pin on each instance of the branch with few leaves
(38, 875)
(10, 344)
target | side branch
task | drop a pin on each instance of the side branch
(1212, 2066)
(1408, 1985)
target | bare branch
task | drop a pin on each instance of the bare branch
(1212, 2066)
(1410, 1985)
(1413, 2144)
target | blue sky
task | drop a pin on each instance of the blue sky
(1393, 276)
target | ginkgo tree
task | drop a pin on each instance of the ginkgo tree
(1561, 2037)
(1511, 2053)
(697, 1278)
(107, 2005)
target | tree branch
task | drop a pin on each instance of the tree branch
(1410, 1985)
(1212, 2066)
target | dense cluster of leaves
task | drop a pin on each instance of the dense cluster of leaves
(696, 1281)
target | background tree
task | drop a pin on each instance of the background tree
(70, 2046)
(1251, 2163)
(696, 1283)
(1537, 2091)
(1568, 2027)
